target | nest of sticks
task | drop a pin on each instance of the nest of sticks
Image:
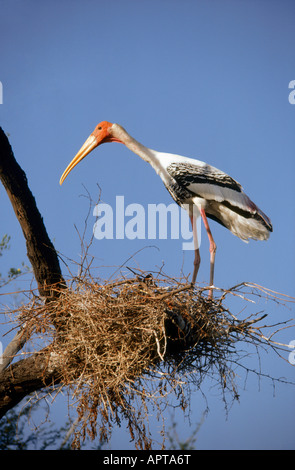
(125, 346)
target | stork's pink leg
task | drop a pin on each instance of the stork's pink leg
(197, 259)
(212, 249)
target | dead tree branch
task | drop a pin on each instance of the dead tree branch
(40, 249)
(24, 377)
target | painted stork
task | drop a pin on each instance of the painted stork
(192, 184)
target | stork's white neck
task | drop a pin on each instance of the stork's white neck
(148, 155)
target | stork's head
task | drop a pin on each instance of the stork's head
(102, 133)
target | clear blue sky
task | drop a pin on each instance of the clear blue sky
(205, 79)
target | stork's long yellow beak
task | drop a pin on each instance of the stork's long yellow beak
(86, 148)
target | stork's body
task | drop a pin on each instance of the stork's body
(191, 183)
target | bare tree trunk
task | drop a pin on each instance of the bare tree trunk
(32, 373)
(24, 377)
(40, 249)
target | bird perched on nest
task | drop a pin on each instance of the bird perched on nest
(192, 184)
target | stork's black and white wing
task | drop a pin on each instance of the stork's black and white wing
(224, 198)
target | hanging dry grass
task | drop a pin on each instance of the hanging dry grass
(125, 346)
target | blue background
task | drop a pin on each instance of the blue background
(204, 79)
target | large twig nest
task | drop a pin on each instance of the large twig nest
(127, 344)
